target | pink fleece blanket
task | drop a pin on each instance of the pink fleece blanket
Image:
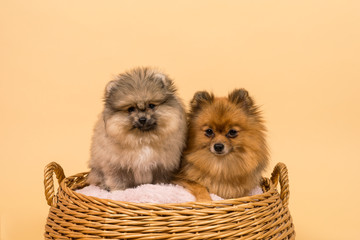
(150, 193)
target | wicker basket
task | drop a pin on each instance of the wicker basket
(75, 216)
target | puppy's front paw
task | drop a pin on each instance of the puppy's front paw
(203, 198)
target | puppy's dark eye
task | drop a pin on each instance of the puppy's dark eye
(131, 109)
(209, 132)
(152, 106)
(232, 133)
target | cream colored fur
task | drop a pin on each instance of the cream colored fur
(123, 156)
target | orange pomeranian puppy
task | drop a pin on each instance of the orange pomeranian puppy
(226, 151)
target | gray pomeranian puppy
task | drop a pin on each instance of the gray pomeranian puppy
(141, 132)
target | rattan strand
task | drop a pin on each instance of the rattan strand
(75, 216)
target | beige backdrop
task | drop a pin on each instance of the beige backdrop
(299, 59)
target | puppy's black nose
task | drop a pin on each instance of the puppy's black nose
(142, 120)
(219, 147)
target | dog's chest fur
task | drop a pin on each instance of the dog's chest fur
(143, 164)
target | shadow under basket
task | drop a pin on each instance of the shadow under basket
(75, 216)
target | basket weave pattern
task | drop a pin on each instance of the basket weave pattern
(76, 216)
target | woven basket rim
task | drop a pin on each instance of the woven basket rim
(69, 184)
(266, 184)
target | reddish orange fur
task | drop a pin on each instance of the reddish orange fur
(235, 173)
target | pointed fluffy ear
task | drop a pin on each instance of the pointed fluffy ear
(241, 97)
(165, 81)
(201, 98)
(160, 76)
(111, 85)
